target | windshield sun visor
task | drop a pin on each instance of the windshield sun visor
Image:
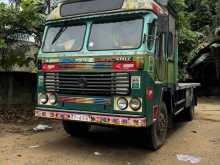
(89, 6)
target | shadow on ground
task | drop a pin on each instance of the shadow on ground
(122, 144)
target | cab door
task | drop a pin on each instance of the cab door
(156, 45)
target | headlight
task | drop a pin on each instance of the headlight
(43, 98)
(52, 99)
(135, 104)
(122, 103)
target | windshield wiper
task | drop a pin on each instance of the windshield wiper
(59, 33)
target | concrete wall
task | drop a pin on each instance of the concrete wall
(17, 88)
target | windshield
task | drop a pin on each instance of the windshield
(59, 39)
(116, 35)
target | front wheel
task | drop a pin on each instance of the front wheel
(157, 133)
(76, 128)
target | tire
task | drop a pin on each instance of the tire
(76, 128)
(157, 133)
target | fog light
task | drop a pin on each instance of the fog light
(43, 98)
(52, 99)
(122, 103)
(135, 104)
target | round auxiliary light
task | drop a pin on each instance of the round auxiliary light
(43, 98)
(135, 104)
(122, 103)
(52, 99)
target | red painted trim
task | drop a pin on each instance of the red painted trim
(156, 7)
(149, 93)
(129, 66)
(99, 119)
(155, 112)
(50, 67)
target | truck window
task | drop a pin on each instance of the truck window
(171, 37)
(68, 38)
(116, 35)
(151, 35)
(170, 45)
(159, 52)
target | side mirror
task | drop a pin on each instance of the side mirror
(163, 26)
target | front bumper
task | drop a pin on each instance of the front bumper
(92, 117)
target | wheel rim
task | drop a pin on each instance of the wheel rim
(162, 125)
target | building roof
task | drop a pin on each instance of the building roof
(204, 54)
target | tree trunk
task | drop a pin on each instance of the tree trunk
(48, 3)
(17, 4)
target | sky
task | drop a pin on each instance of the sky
(5, 1)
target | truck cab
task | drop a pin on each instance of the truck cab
(112, 63)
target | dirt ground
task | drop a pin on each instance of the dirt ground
(19, 145)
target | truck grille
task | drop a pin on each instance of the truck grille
(103, 84)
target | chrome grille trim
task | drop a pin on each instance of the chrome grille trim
(103, 84)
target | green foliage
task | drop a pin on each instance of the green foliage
(2, 44)
(217, 20)
(187, 38)
(16, 23)
(197, 20)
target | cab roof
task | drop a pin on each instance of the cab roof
(79, 8)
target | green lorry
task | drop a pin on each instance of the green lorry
(113, 63)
